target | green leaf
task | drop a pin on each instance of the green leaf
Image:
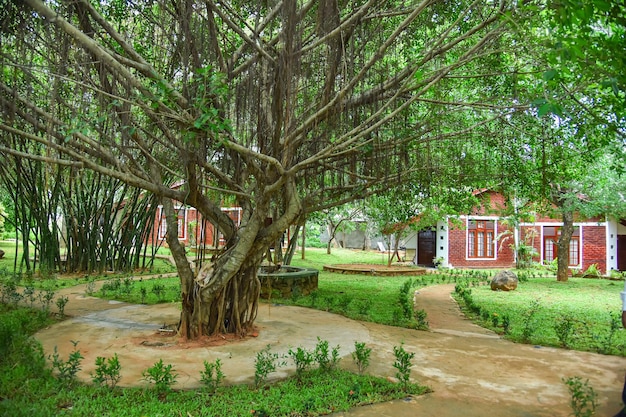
(549, 75)
(544, 109)
(538, 102)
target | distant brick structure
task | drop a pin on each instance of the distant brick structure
(484, 239)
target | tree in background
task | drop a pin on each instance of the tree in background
(340, 220)
(574, 79)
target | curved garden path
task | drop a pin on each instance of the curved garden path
(472, 371)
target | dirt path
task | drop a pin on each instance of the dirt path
(472, 371)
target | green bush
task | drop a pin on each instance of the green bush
(161, 376)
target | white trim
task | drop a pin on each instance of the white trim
(478, 217)
(442, 245)
(581, 245)
(541, 225)
(611, 245)
(560, 224)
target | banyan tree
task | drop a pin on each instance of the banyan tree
(282, 108)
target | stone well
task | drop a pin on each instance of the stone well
(287, 281)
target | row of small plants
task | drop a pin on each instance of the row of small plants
(137, 290)
(545, 324)
(13, 292)
(28, 387)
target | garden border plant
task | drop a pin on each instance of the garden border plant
(524, 317)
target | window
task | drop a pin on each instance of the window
(551, 236)
(181, 225)
(480, 238)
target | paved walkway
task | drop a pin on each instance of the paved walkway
(472, 371)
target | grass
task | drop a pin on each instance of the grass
(580, 314)
(315, 394)
(8, 247)
(587, 304)
(56, 281)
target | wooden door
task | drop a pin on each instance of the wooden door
(426, 247)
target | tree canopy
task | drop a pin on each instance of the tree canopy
(282, 108)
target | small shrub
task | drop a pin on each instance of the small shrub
(212, 376)
(361, 356)
(495, 320)
(592, 272)
(421, 318)
(127, 286)
(397, 317)
(265, 363)
(484, 314)
(564, 329)
(403, 364)
(158, 290)
(302, 358)
(604, 341)
(61, 303)
(506, 324)
(107, 371)
(67, 370)
(162, 376)
(404, 300)
(90, 287)
(529, 324)
(29, 294)
(584, 400)
(326, 359)
(46, 298)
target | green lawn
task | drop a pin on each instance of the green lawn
(8, 247)
(360, 297)
(581, 314)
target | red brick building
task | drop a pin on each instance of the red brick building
(484, 239)
(192, 229)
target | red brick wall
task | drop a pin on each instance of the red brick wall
(457, 250)
(594, 247)
(492, 203)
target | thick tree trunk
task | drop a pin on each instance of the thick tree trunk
(222, 297)
(563, 243)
